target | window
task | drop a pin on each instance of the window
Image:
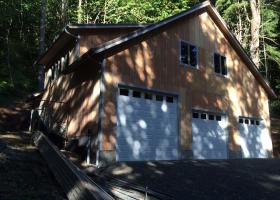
(211, 117)
(169, 99)
(188, 54)
(249, 121)
(218, 118)
(195, 115)
(136, 94)
(159, 98)
(220, 64)
(203, 116)
(124, 92)
(148, 96)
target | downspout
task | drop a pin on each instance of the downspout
(100, 112)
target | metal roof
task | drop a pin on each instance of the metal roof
(70, 33)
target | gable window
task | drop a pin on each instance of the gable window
(220, 64)
(188, 54)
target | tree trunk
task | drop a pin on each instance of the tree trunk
(239, 28)
(8, 54)
(64, 7)
(255, 31)
(42, 42)
(79, 11)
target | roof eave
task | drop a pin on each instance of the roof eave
(65, 33)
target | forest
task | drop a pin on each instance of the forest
(28, 27)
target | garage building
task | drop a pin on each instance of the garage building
(182, 88)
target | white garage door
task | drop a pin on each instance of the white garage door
(147, 126)
(254, 138)
(209, 136)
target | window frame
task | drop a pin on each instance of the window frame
(180, 55)
(227, 68)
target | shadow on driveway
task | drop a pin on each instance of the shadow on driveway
(223, 179)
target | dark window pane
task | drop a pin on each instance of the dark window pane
(169, 99)
(203, 116)
(52, 77)
(257, 123)
(223, 65)
(184, 53)
(148, 96)
(193, 55)
(241, 121)
(218, 118)
(136, 94)
(159, 97)
(217, 63)
(211, 117)
(246, 121)
(124, 92)
(252, 121)
(195, 115)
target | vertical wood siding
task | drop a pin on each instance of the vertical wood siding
(73, 100)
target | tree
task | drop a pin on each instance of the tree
(79, 11)
(64, 15)
(42, 42)
(255, 31)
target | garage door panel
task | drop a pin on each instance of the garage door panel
(254, 139)
(146, 129)
(209, 138)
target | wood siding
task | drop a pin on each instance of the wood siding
(154, 63)
(72, 100)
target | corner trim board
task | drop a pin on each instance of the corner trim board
(100, 111)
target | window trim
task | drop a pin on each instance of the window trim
(180, 55)
(220, 74)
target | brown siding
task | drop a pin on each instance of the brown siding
(154, 63)
(73, 100)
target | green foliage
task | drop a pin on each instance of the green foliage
(235, 13)
(18, 47)
(131, 11)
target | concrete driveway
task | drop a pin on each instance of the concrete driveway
(223, 179)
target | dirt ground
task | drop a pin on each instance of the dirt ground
(23, 172)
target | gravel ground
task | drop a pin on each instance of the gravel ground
(23, 172)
